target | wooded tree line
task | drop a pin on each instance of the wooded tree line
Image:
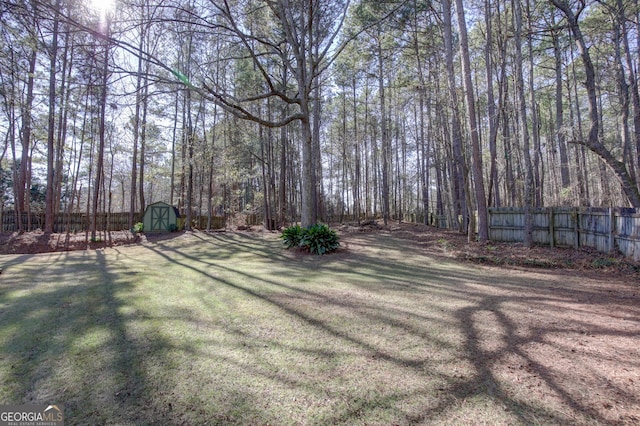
(311, 110)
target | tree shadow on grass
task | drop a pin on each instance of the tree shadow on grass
(392, 276)
(70, 343)
(370, 318)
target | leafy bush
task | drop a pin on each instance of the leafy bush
(291, 236)
(320, 239)
(137, 228)
(173, 227)
(317, 239)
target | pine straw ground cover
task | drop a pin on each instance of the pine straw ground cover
(229, 328)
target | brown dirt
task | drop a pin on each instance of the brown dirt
(454, 245)
(39, 242)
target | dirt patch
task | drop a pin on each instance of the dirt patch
(454, 245)
(40, 242)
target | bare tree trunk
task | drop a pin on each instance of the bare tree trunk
(76, 173)
(143, 143)
(211, 167)
(524, 132)
(560, 134)
(265, 188)
(136, 136)
(282, 193)
(623, 94)
(384, 134)
(538, 166)
(492, 116)
(308, 213)
(356, 142)
(189, 139)
(65, 86)
(51, 131)
(101, 136)
(368, 179)
(478, 178)
(271, 155)
(460, 172)
(11, 136)
(23, 196)
(425, 160)
(344, 162)
(304, 78)
(318, 204)
(578, 134)
(173, 149)
(402, 179)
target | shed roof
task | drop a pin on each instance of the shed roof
(175, 209)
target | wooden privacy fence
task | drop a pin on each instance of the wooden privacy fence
(200, 222)
(80, 222)
(64, 222)
(605, 229)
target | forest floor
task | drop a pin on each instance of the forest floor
(405, 324)
(454, 245)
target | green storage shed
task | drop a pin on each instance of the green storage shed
(160, 217)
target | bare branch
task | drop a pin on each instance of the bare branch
(243, 113)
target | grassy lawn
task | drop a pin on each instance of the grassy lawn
(232, 329)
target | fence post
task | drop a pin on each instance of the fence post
(576, 228)
(552, 231)
(611, 230)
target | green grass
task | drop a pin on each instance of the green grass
(232, 329)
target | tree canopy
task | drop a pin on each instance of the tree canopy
(319, 110)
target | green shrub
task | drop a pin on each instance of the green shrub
(317, 239)
(320, 239)
(173, 227)
(137, 228)
(291, 236)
